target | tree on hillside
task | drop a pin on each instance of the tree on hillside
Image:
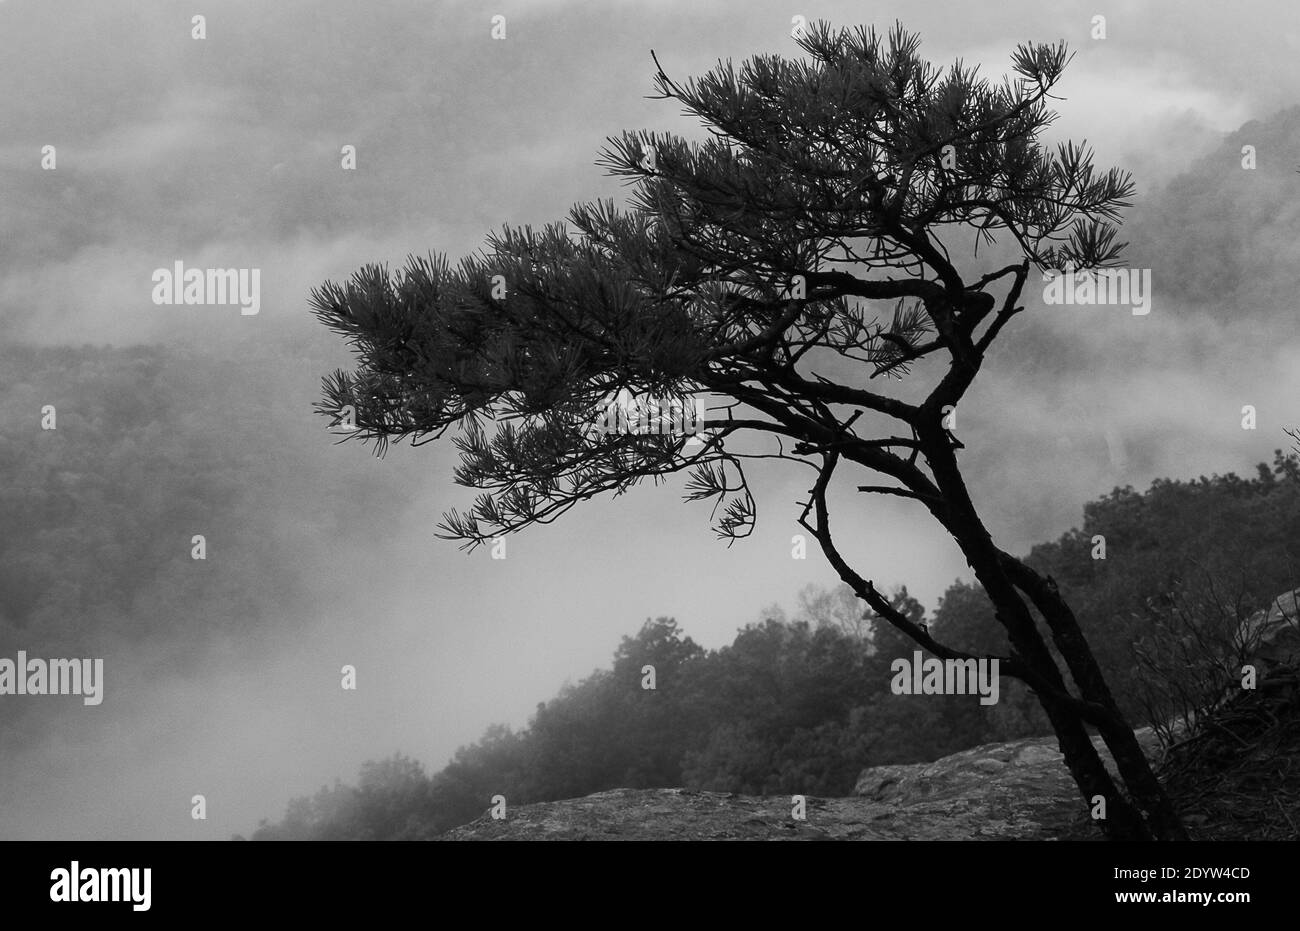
(744, 271)
(836, 608)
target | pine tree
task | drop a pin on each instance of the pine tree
(744, 270)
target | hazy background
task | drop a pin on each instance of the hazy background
(225, 153)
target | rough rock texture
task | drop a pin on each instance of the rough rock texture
(1275, 633)
(1011, 790)
(676, 814)
(1018, 790)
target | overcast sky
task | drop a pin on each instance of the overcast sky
(225, 153)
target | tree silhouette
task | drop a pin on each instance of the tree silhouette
(742, 273)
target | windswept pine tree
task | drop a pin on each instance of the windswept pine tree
(796, 269)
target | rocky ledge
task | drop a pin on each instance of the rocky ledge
(1011, 791)
(1008, 791)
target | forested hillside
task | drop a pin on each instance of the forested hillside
(802, 705)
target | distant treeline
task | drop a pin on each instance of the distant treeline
(802, 705)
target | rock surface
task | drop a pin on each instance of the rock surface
(1274, 635)
(1012, 791)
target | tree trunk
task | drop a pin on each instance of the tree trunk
(1115, 730)
(1122, 821)
(1003, 579)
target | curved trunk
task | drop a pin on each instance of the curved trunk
(1115, 730)
(1003, 578)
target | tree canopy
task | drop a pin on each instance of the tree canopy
(742, 262)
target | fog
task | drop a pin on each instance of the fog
(225, 153)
